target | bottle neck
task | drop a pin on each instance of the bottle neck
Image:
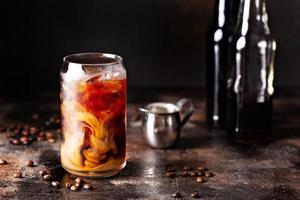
(253, 14)
(220, 14)
(224, 13)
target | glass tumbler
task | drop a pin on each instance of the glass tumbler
(93, 109)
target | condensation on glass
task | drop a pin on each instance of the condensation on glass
(93, 108)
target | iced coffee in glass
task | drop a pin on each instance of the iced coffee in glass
(93, 109)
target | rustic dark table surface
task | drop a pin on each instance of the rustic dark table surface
(256, 171)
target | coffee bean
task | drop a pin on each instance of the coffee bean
(42, 134)
(49, 135)
(47, 177)
(55, 183)
(43, 172)
(51, 140)
(177, 195)
(25, 133)
(68, 185)
(3, 162)
(57, 121)
(200, 173)
(87, 186)
(24, 139)
(170, 174)
(41, 138)
(192, 173)
(195, 195)
(15, 142)
(78, 180)
(29, 163)
(18, 175)
(187, 168)
(78, 185)
(200, 180)
(33, 130)
(201, 168)
(184, 173)
(74, 188)
(209, 174)
(170, 169)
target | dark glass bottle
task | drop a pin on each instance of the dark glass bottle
(251, 76)
(217, 59)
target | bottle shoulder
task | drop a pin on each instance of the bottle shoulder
(251, 38)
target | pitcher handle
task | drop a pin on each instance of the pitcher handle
(186, 107)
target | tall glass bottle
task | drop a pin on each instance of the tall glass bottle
(251, 76)
(225, 13)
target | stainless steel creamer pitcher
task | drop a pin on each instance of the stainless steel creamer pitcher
(162, 122)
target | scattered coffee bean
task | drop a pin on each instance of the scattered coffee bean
(195, 195)
(209, 174)
(3, 162)
(177, 195)
(87, 186)
(43, 172)
(78, 180)
(51, 140)
(24, 139)
(33, 130)
(201, 168)
(15, 142)
(74, 188)
(200, 173)
(78, 185)
(42, 134)
(57, 121)
(200, 180)
(187, 168)
(41, 139)
(192, 173)
(16, 131)
(55, 183)
(25, 133)
(170, 174)
(18, 175)
(29, 163)
(47, 177)
(49, 135)
(170, 169)
(184, 173)
(68, 185)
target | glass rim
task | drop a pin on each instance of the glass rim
(77, 56)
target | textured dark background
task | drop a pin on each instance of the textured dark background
(162, 42)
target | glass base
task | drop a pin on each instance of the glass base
(104, 174)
